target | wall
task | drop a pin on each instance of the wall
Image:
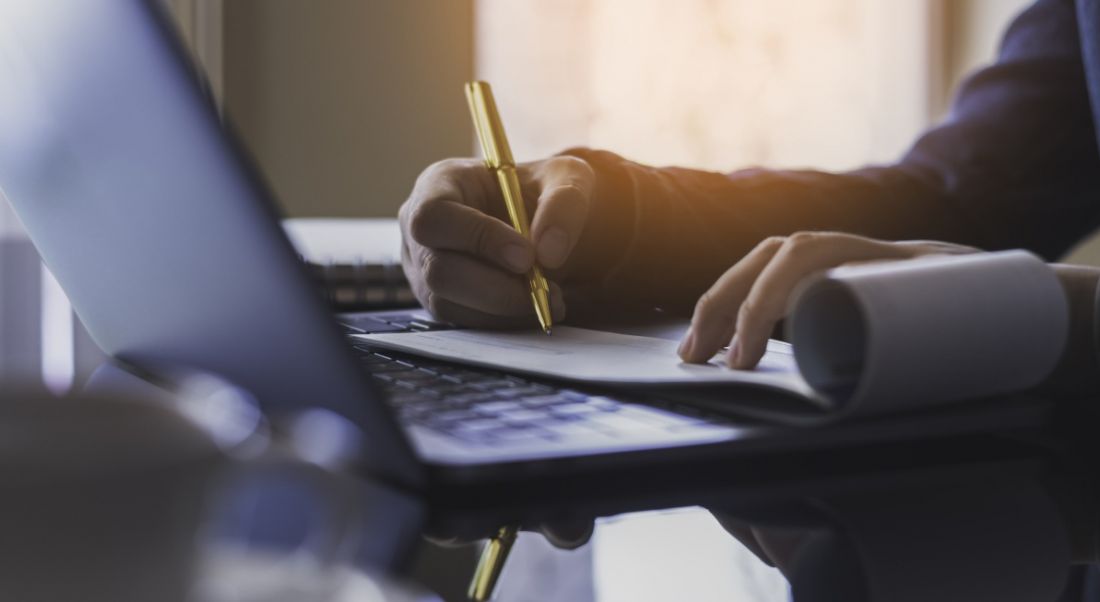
(712, 84)
(973, 32)
(343, 102)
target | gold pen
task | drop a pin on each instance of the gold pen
(498, 158)
(491, 563)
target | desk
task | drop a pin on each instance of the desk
(1004, 527)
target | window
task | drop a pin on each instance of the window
(716, 84)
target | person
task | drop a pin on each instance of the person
(1015, 165)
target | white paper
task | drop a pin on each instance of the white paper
(884, 337)
(868, 339)
(592, 356)
(345, 241)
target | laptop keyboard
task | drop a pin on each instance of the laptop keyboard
(487, 407)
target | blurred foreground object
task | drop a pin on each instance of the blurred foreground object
(99, 499)
(136, 493)
(356, 262)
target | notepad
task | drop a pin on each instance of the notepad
(593, 356)
(866, 339)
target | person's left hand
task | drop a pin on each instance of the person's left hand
(742, 308)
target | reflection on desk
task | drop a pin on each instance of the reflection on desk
(998, 524)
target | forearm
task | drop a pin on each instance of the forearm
(1013, 166)
(663, 235)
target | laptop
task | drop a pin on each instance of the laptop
(171, 252)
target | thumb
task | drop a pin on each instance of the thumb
(565, 193)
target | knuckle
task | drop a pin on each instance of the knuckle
(436, 307)
(748, 313)
(709, 307)
(445, 167)
(754, 311)
(773, 242)
(570, 193)
(703, 305)
(479, 237)
(419, 218)
(575, 167)
(432, 271)
(801, 243)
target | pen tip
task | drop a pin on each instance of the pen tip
(547, 330)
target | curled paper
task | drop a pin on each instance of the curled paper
(888, 336)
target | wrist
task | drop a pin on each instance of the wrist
(604, 238)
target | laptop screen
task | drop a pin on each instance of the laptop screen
(168, 247)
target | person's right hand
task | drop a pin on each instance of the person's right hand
(465, 262)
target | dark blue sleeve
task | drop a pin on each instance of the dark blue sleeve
(1015, 165)
(1017, 159)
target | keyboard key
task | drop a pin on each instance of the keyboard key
(490, 383)
(446, 388)
(418, 377)
(511, 435)
(659, 418)
(454, 416)
(394, 366)
(371, 359)
(573, 409)
(496, 407)
(619, 423)
(370, 325)
(572, 395)
(524, 416)
(477, 430)
(469, 399)
(539, 401)
(407, 398)
(605, 404)
(524, 391)
(422, 325)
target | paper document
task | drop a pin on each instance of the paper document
(591, 356)
(345, 241)
(870, 338)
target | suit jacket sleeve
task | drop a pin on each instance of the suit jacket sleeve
(1014, 165)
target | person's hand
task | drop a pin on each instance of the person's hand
(774, 546)
(564, 534)
(465, 262)
(742, 308)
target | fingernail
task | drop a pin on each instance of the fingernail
(687, 344)
(517, 257)
(553, 245)
(734, 358)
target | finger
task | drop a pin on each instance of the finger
(475, 284)
(445, 224)
(449, 311)
(561, 212)
(781, 545)
(568, 534)
(743, 533)
(801, 255)
(472, 283)
(715, 314)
